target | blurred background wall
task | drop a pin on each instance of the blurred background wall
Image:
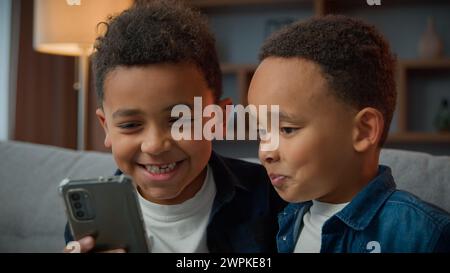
(41, 100)
(5, 43)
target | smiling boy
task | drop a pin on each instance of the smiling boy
(153, 57)
(333, 79)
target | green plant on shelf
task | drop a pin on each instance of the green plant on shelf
(442, 120)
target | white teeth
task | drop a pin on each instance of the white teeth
(161, 169)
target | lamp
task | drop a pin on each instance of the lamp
(69, 27)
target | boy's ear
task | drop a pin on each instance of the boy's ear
(368, 128)
(223, 105)
(101, 118)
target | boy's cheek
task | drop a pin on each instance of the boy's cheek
(198, 150)
(194, 147)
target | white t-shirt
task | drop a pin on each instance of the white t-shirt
(180, 228)
(310, 238)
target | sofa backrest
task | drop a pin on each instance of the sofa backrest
(32, 215)
(424, 175)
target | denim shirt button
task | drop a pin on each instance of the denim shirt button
(284, 238)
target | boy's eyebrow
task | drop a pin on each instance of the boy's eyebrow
(169, 108)
(126, 113)
(135, 112)
(285, 116)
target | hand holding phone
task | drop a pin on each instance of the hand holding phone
(86, 244)
(106, 208)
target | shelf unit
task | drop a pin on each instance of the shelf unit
(404, 134)
(207, 4)
(244, 72)
(419, 137)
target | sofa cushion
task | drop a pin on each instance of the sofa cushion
(32, 213)
(424, 175)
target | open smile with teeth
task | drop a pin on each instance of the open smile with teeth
(160, 169)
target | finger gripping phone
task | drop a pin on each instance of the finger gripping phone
(108, 209)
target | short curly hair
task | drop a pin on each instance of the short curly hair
(152, 32)
(355, 58)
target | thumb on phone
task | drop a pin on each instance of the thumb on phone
(83, 245)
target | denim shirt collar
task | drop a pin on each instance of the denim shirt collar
(364, 206)
(361, 210)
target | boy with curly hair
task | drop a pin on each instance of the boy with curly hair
(154, 56)
(333, 79)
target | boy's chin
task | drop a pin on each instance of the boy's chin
(157, 195)
(293, 198)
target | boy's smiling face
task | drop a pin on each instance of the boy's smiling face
(136, 117)
(315, 154)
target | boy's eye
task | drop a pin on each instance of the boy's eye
(128, 125)
(288, 130)
(181, 119)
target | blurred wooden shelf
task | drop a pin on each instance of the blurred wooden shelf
(229, 68)
(443, 63)
(236, 3)
(403, 109)
(419, 137)
(330, 5)
(243, 74)
(340, 6)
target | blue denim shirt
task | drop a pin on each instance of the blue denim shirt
(378, 219)
(244, 213)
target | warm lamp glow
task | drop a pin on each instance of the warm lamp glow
(69, 27)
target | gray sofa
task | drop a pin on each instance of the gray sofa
(32, 217)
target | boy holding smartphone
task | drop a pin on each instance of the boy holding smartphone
(155, 56)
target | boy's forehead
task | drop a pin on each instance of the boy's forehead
(297, 79)
(175, 72)
(298, 86)
(167, 84)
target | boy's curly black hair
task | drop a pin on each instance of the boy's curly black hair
(354, 57)
(153, 32)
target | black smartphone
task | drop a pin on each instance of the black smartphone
(108, 209)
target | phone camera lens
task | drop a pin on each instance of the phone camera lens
(77, 205)
(80, 214)
(75, 196)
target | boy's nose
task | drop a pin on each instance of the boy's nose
(268, 156)
(156, 145)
